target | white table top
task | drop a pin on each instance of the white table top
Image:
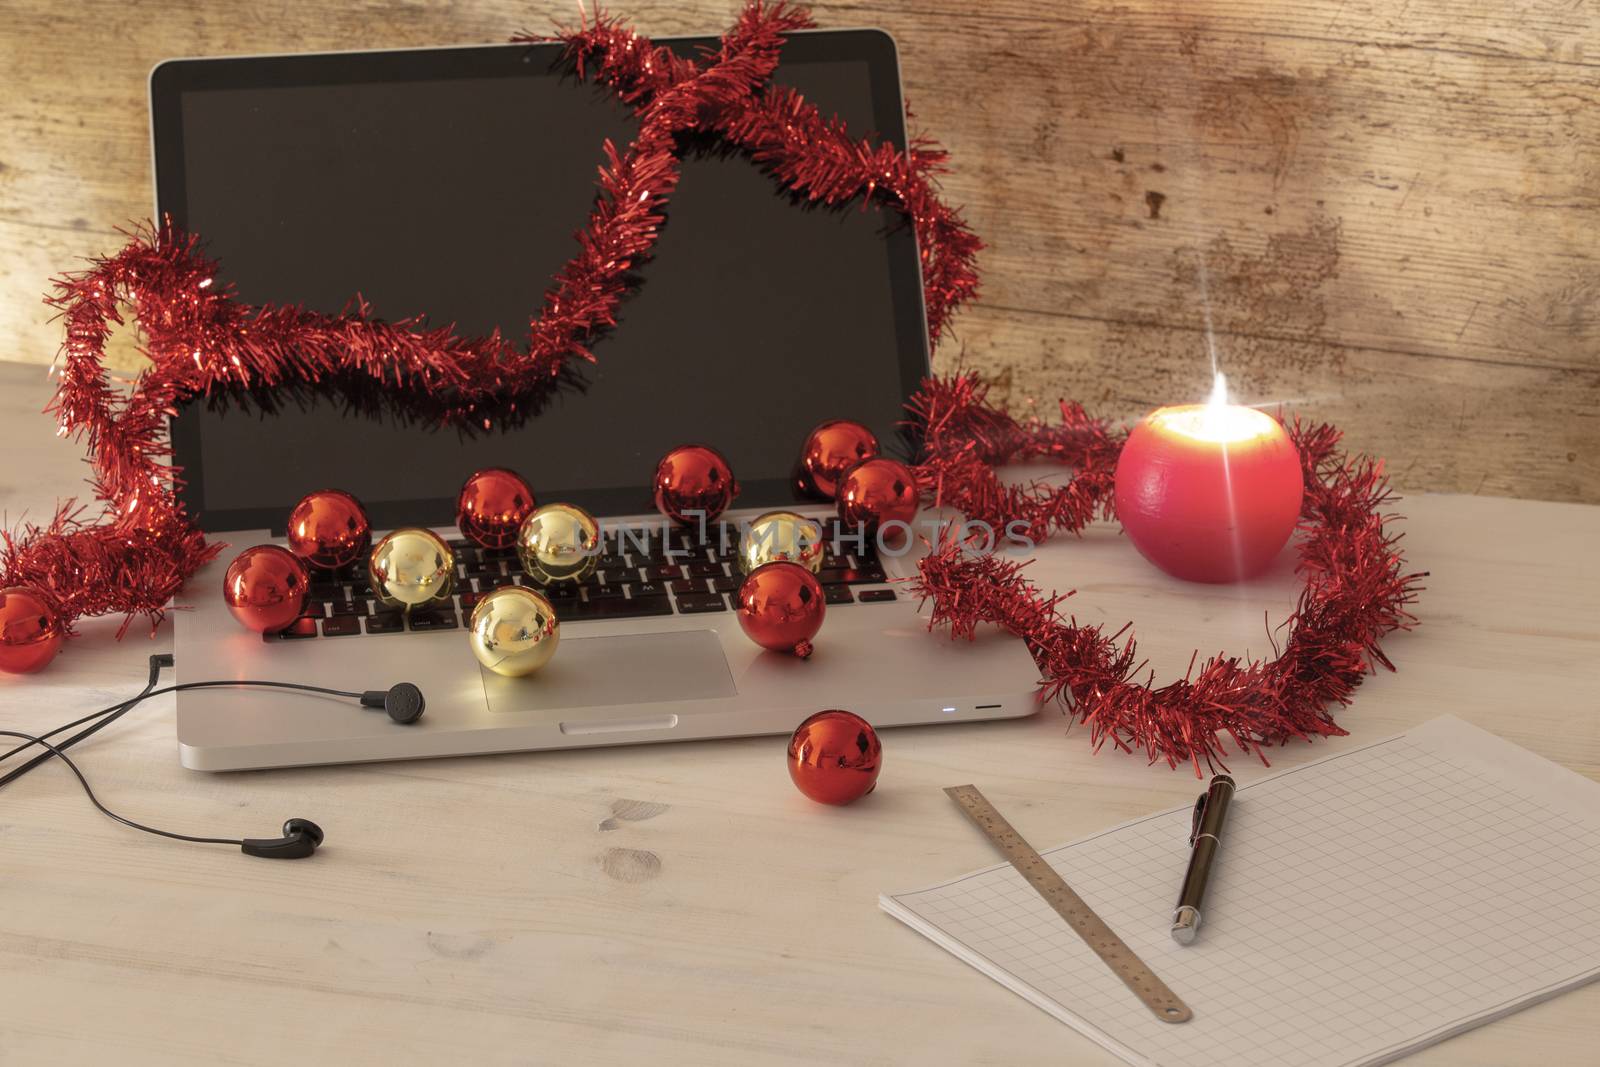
(675, 903)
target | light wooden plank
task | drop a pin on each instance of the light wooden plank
(1416, 183)
(462, 910)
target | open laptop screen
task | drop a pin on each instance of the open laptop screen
(449, 183)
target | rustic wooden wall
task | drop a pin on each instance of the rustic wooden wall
(1384, 212)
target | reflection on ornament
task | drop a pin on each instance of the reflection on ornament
(782, 535)
(514, 631)
(834, 757)
(693, 484)
(559, 543)
(411, 567)
(780, 607)
(266, 588)
(877, 492)
(30, 631)
(329, 529)
(830, 451)
(491, 507)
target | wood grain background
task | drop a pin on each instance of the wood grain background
(1386, 213)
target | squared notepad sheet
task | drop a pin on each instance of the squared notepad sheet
(1364, 906)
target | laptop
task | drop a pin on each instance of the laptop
(448, 183)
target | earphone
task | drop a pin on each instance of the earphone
(403, 702)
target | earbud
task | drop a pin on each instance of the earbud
(300, 839)
(403, 701)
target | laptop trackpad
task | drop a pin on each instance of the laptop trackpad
(592, 672)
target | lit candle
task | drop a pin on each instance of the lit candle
(1209, 492)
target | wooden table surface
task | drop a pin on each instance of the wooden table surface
(675, 903)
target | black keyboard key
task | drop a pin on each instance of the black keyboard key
(636, 607)
(663, 572)
(697, 603)
(494, 581)
(577, 610)
(612, 562)
(687, 586)
(341, 626)
(348, 607)
(560, 593)
(876, 596)
(298, 630)
(386, 622)
(837, 594)
(705, 570)
(649, 589)
(832, 575)
(728, 583)
(434, 620)
(607, 591)
(860, 576)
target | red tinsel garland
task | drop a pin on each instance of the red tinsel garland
(202, 342)
(1356, 592)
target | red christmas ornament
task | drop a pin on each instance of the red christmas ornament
(781, 607)
(834, 757)
(876, 492)
(830, 451)
(329, 529)
(491, 507)
(694, 484)
(266, 588)
(30, 631)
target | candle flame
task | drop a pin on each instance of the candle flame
(1217, 420)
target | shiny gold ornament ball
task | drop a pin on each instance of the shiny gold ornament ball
(411, 567)
(782, 535)
(559, 543)
(514, 631)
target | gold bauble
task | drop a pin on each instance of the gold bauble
(782, 535)
(411, 567)
(559, 543)
(514, 631)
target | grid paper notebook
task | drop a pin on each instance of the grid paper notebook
(1363, 907)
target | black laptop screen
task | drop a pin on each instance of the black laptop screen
(449, 184)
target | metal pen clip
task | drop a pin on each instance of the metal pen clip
(1199, 814)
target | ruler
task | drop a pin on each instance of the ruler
(1163, 1002)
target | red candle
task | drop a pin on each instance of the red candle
(1209, 492)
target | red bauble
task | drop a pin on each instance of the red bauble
(876, 492)
(834, 757)
(694, 484)
(266, 588)
(329, 529)
(30, 631)
(829, 453)
(491, 507)
(781, 607)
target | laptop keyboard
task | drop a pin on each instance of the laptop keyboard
(642, 572)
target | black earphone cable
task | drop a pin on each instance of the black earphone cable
(111, 714)
(34, 739)
(403, 702)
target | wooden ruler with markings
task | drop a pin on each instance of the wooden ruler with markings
(1071, 907)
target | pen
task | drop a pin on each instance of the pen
(1210, 810)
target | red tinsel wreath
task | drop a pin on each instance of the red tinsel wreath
(1356, 593)
(202, 342)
